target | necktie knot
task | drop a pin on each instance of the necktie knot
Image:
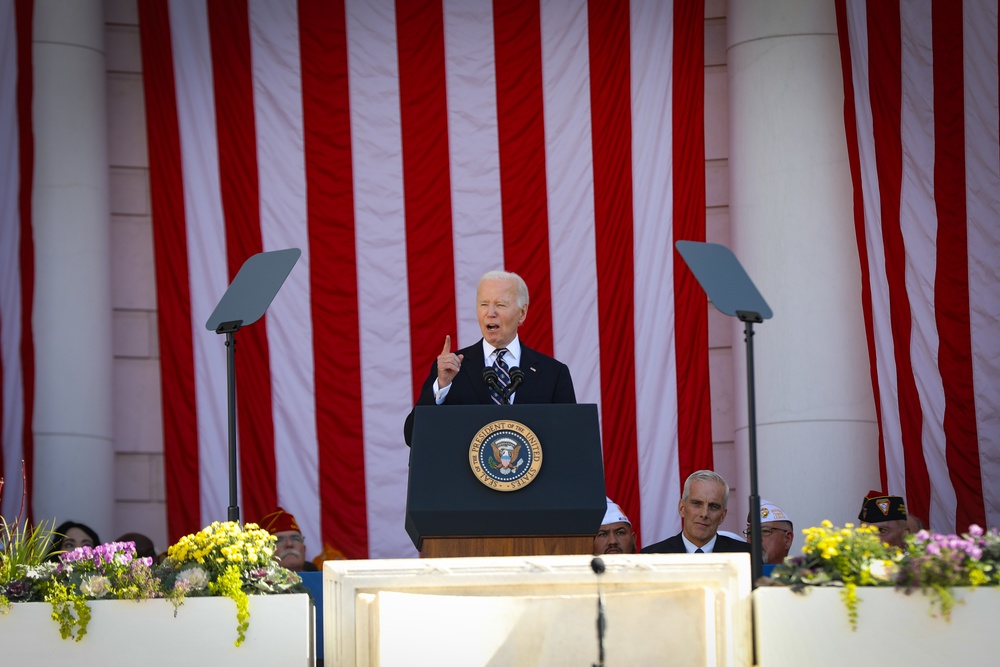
(699, 551)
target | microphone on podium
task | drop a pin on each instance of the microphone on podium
(597, 564)
(493, 382)
(516, 378)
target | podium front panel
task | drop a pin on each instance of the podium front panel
(445, 498)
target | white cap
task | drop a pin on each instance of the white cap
(614, 514)
(770, 512)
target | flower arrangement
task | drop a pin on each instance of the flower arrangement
(852, 556)
(222, 559)
(22, 550)
(230, 560)
(110, 571)
(936, 563)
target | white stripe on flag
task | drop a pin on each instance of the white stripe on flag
(656, 367)
(982, 174)
(381, 246)
(570, 178)
(207, 245)
(885, 362)
(281, 160)
(917, 208)
(477, 224)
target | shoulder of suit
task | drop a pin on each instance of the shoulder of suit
(472, 349)
(734, 544)
(534, 356)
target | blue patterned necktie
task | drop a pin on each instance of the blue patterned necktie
(503, 374)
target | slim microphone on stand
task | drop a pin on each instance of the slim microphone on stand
(516, 378)
(598, 566)
(493, 381)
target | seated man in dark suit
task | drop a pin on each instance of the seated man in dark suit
(456, 378)
(703, 509)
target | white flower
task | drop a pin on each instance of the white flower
(880, 570)
(94, 586)
(192, 579)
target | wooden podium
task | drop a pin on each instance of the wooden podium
(454, 511)
(520, 545)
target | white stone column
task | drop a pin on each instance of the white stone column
(74, 452)
(792, 224)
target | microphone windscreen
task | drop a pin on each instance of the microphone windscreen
(597, 565)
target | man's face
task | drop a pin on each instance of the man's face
(891, 532)
(614, 538)
(290, 549)
(498, 312)
(775, 541)
(703, 511)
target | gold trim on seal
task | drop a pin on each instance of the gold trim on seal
(520, 444)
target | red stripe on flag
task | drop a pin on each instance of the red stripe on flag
(885, 58)
(694, 425)
(333, 276)
(180, 422)
(951, 279)
(229, 27)
(521, 137)
(24, 14)
(610, 99)
(854, 159)
(426, 182)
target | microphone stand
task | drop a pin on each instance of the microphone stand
(516, 378)
(598, 566)
(493, 382)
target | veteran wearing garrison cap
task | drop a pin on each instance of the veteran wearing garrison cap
(615, 535)
(290, 547)
(776, 533)
(888, 514)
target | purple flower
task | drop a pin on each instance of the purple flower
(18, 590)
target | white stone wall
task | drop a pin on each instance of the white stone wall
(139, 479)
(720, 327)
(139, 475)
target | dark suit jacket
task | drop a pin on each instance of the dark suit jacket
(675, 545)
(545, 381)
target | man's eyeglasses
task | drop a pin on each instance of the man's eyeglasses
(297, 539)
(765, 531)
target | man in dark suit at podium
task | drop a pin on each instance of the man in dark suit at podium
(522, 375)
(703, 508)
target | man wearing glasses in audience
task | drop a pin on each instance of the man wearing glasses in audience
(888, 514)
(290, 547)
(776, 533)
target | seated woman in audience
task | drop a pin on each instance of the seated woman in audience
(69, 535)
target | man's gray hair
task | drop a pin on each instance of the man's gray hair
(522, 287)
(706, 476)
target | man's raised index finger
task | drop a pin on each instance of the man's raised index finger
(447, 344)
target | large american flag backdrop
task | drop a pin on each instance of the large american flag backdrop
(407, 147)
(920, 82)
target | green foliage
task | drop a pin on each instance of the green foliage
(932, 563)
(224, 559)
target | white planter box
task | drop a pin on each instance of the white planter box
(203, 632)
(893, 628)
